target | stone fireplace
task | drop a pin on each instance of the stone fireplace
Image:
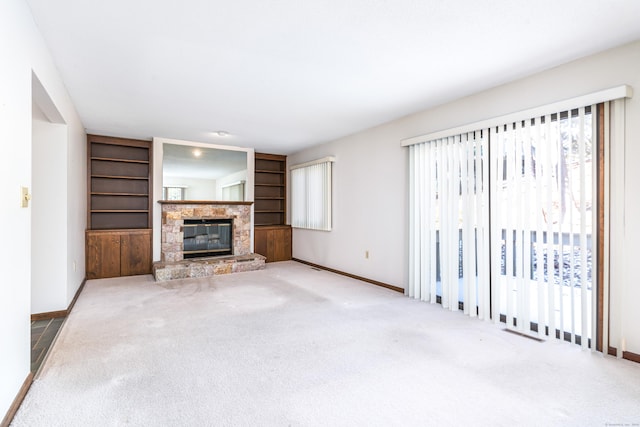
(178, 219)
(174, 214)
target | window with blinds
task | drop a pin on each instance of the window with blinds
(173, 193)
(311, 195)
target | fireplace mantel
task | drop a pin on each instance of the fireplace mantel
(202, 202)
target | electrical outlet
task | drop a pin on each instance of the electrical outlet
(75, 267)
(366, 254)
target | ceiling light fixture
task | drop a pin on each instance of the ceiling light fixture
(197, 152)
(221, 133)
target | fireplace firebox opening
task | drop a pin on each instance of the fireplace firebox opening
(207, 237)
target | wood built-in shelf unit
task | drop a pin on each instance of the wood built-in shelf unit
(272, 237)
(119, 213)
(270, 189)
(119, 183)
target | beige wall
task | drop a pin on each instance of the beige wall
(370, 178)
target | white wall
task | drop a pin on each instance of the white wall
(371, 177)
(369, 207)
(195, 188)
(48, 215)
(24, 53)
(76, 198)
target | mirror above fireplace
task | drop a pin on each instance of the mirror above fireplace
(203, 173)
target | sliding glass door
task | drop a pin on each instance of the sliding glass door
(542, 219)
(503, 223)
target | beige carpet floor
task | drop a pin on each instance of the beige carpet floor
(292, 346)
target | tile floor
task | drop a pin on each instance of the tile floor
(43, 332)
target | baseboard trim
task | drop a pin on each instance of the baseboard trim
(13, 409)
(352, 276)
(59, 313)
(631, 356)
(75, 297)
(634, 357)
(48, 315)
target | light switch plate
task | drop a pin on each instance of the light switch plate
(24, 197)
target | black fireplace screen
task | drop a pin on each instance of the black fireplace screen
(207, 237)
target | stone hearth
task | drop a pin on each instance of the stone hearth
(205, 267)
(174, 266)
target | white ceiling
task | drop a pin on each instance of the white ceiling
(286, 74)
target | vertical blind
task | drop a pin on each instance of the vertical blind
(449, 222)
(543, 208)
(311, 195)
(501, 223)
(233, 192)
